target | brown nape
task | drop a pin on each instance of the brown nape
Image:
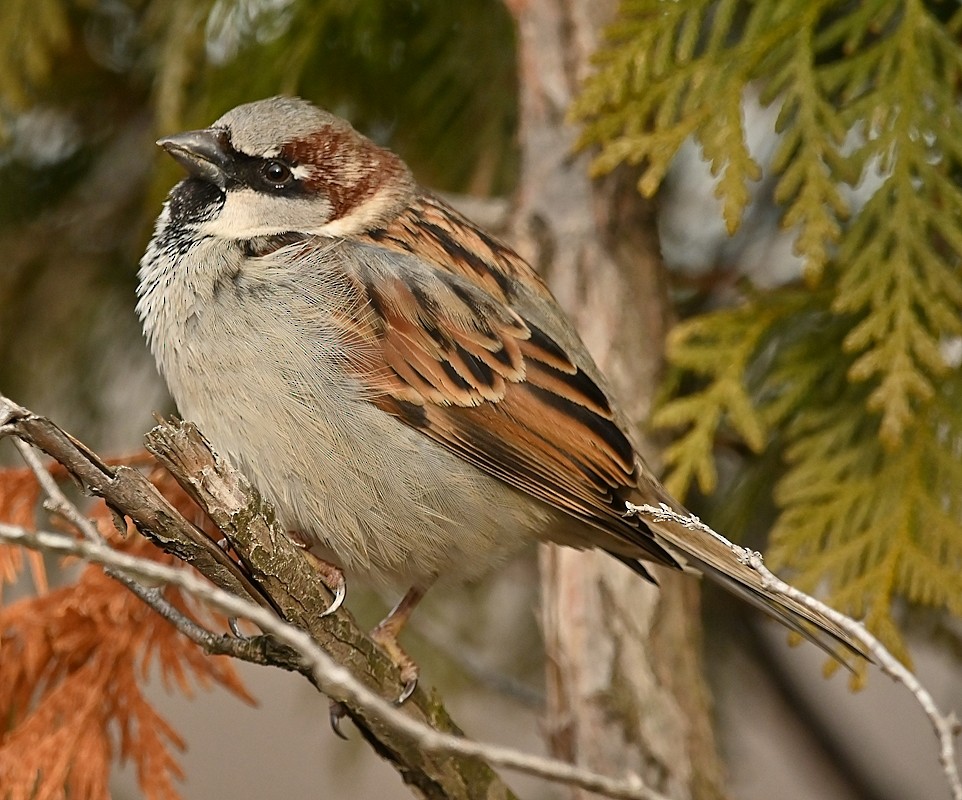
(345, 167)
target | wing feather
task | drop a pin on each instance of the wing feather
(463, 342)
(472, 366)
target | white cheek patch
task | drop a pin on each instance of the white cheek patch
(247, 213)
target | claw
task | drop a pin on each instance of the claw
(335, 713)
(407, 691)
(332, 577)
(234, 627)
(340, 592)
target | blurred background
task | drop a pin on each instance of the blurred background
(86, 87)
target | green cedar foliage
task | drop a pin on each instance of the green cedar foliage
(847, 377)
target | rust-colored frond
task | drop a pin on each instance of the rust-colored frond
(74, 661)
(19, 498)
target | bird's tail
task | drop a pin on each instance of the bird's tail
(696, 546)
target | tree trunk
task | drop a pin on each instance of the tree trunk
(625, 685)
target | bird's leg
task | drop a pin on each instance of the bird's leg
(386, 633)
(333, 578)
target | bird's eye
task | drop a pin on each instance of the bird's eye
(277, 173)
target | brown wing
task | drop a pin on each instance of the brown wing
(464, 360)
(459, 339)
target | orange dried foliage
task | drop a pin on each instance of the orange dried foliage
(72, 665)
(19, 499)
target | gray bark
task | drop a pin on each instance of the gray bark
(625, 683)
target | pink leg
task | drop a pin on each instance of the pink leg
(386, 635)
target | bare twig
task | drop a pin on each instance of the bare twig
(263, 650)
(946, 725)
(57, 502)
(333, 679)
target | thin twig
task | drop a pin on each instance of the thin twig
(263, 650)
(330, 676)
(255, 649)
(57, 502)
(946, 725)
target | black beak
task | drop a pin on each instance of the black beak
(205, 154)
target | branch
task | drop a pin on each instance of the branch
(946, 725)
(330, 677)
(258, 650)
(340, 659)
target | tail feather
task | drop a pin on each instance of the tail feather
(697, 546)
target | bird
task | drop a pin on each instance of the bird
(398, 382)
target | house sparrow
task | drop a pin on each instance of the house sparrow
(400, 384)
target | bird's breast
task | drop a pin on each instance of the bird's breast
(252, 355)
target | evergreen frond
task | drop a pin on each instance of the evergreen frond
(852, 385)
(883, 73)
(19, 498)
(902, 253)
(657, 83)
(717, 349)
(807, 156)
(71, 680)
(867, 523)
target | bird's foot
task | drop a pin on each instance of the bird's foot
(386, 635)
(386, 639)
(332, 576)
